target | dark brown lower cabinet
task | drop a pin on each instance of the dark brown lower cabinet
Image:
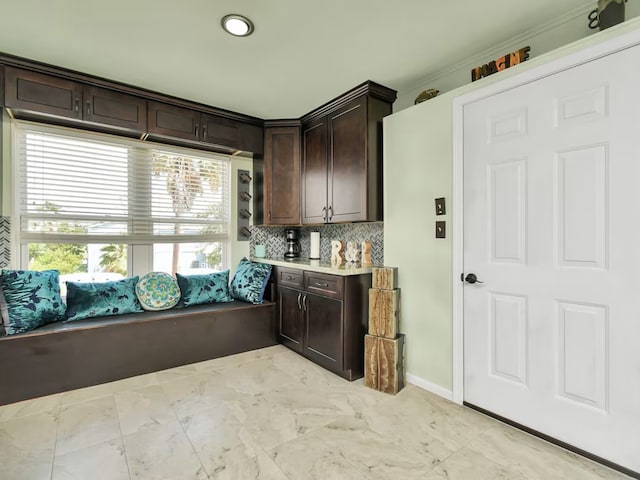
(323, 322)
(324, 318)
(290, 318)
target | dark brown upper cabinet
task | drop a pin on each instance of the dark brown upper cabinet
(36, 94)
(114, 108)
(282, 175)
(31, 91)
(348, 162)
(315, 171)
(342, 157)
(43, 92)
(170, 121)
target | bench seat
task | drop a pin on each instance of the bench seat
(65, 356)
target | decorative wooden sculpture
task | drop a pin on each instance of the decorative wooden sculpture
(353, 252)
(366, 253)
(384, 312)
(383, 346)
(384, 363)
(337, 252)
(385, 278)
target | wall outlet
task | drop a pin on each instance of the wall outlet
(441, 229)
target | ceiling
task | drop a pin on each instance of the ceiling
(301, 54)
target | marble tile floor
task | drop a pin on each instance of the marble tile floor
(269, 415)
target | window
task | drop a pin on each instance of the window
(100, 207)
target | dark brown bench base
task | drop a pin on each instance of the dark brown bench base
(66, 356)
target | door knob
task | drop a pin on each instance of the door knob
(471, 278)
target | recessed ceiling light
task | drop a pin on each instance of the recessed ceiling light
(237, 25)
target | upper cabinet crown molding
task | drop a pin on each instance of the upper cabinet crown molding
(369, 88)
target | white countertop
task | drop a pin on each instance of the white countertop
(320, 266)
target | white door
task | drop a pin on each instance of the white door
(552, 228)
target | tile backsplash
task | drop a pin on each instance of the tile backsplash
(273, 239)
(5, 241)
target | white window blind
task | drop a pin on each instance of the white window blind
(82, 186)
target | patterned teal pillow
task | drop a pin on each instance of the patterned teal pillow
(157, 291)
(31, 299)
(249, 281)
(207, 288)
(85, 300)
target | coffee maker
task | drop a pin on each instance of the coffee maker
(293, 243)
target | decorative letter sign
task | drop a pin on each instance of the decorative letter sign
(502, 63)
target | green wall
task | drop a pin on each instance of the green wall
(417, 169)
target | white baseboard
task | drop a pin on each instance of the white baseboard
(430, 387)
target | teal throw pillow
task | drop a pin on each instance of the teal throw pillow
(86, 300)
(158, 291)
(249, 281)
(204, 288)
(31, 299)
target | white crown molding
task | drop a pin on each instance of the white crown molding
(496, 50)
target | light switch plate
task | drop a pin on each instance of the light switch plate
(440, 206)
(441, 229)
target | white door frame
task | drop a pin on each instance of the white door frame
(588, 54)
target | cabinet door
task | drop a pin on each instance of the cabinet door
(314, 172)
(290, 318)
(282, 176)
(172, 121)
(324, 331)
(115, 108)
(220, 131)
(347, 185)
(36, 92)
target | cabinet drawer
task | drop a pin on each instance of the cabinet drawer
(327, 285)
(290, 277)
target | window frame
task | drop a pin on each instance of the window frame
(140, 255)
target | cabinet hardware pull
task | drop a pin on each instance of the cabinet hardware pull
(195, 133)
(318, 284)
(269, 214)
(331, 212)
(324, 214)
(204, 132)
(299, 295)
(77, 109)
(290, 278)
(304, 303)
(88, 108)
